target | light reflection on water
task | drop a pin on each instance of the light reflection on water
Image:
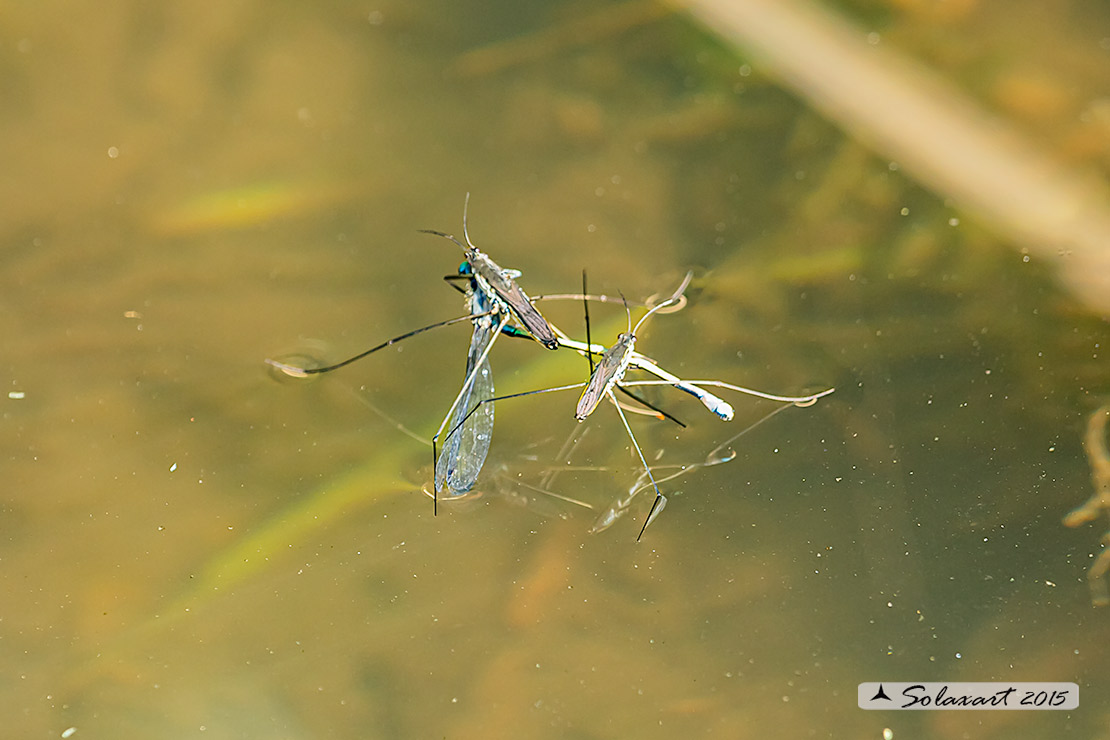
(190, 545)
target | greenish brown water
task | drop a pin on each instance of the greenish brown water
(191, 548)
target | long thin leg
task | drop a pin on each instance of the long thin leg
(505, 398)
(586, 309)
(659, 413)
(299, 372)
(454, 280)
(660, 499)
(588, 297)
(678, 305)
(802, 401)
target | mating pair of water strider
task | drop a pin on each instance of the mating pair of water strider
(497, 305)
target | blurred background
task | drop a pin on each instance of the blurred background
(904, 199)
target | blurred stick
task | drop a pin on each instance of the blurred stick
(937, 135)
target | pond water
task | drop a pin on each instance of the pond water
(192, 547)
